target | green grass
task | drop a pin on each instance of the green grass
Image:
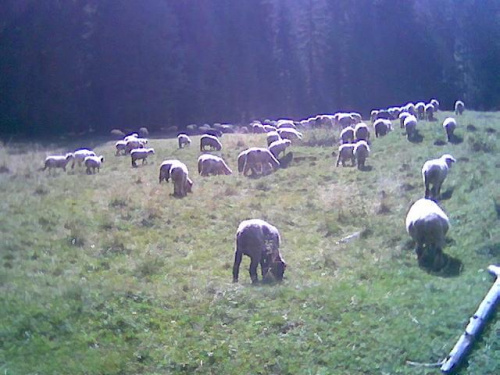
(110, 274)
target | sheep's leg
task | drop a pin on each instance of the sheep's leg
(264, 265)
(236, 266)
(427, 191)
(253, 270)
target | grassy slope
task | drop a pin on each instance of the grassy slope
(109, 274)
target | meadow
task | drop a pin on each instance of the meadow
(111, 274)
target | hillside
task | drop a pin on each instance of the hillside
(110, 274)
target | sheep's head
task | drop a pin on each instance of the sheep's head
(101, 159)
(69, 156)
(448, 159)
(278, 269)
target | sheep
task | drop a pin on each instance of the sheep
(420, 108)
(435, 104)
(131, 136)
(272, 137)
(410, 124)
(394, 112)
(402, 117)
(285, 124)
(429, 112)
(269, 128)
(57, 161)
(344, 120)
(279, 146)
(140, 154)
(361, 132)
(346, 151)
(134, 143)
(449, 125)
(183, 140)
(260, 241)
(165, 173)
(121, 147)
(80, 155)
(289, 133)
(255, 157)
(180, 177)
(382, 127)
(347, 135)
(373, 115)
(92, 163)
(211, 142)
(211, 164)
(361, 151)
(258, 128)
(434, 172)
(427, 225)
(459, 107)
(356, 117)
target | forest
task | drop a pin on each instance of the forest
(88, 65)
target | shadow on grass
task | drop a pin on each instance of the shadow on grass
(455, 139)
(452, 267)
(439, 142)
(366, 168)
(286, 160)
(447, 194)
(416, 138)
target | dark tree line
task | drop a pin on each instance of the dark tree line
(75, 65)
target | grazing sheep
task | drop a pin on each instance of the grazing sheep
(256, 157)
(459, 107)
(346, 151)
(394, 112)
(290, 134)
(427, 225)
(140, 154)
(356, 117)
(410, 124)
(121, 147)
(361, 152)
(269, 128)
(272, 137)
(183, 140)
(434, 172)
(279, 146)
(347, 135)
(435, 104)
(180, 177)
(361, 132)
(211, 142)
(57, 161)
(80, 155)
(165, 173)
(410, 108)
(258, 128)
(382, 127)
(449, 125)
(92, 163)
(260, 241)
(402, 118)
(344, 120)
(420, 108)
(383, 114)
(285, 124)
(131, 136)
(211, 164)
(429, 112)
(134, 143)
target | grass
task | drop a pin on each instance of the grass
(110, 274)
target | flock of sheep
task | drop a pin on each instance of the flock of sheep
(426, 223)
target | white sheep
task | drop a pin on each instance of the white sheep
(285, 124)
(269, 128)
(346, 152)
(373, 115)
(121, 147)
(257, 128)
(260, 241)
(459, 107)
(394, 112)
(361, 152)
(183, 140)
(361, 132)
(410, 124)
(165, 173)
(382, 127)
(80, 155)
(435, 104)
(57, 161)
(279, 146)
(427, 225)
(429, 112)
(131, 136)
(290, 134)
(134, 143)
(210, 164)
(402, 117)
(257, 160)
(420, 108)
(434, 172)
(92, 163)
(449, 125)
(211, 142)
(356, 117)
(272, 137)
(180, 178)
(347, 135)
(140, 154)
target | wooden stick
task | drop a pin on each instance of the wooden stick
(475, 325)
